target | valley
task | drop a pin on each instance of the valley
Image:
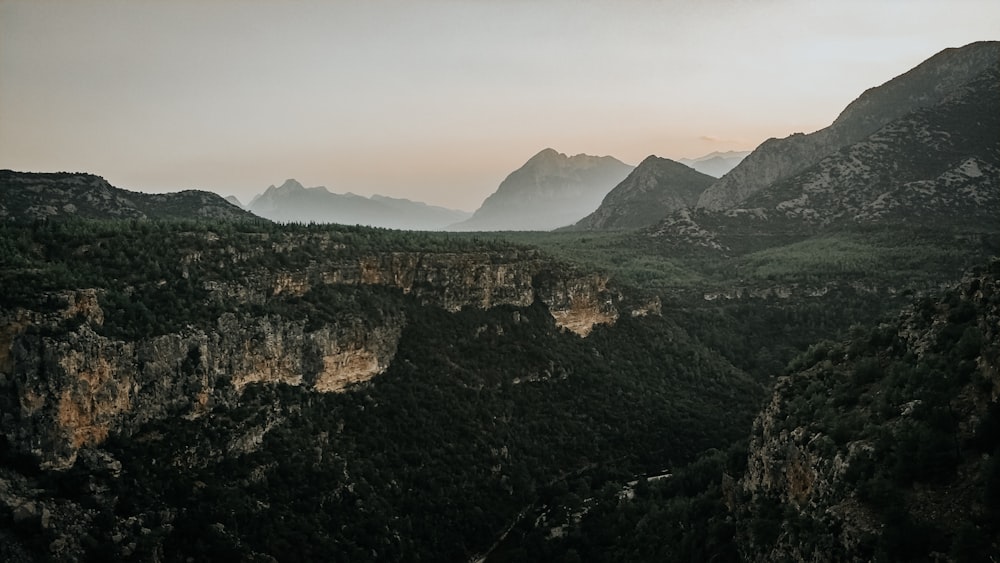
(806, 345)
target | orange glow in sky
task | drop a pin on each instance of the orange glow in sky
(434, 100)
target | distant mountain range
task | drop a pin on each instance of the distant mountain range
(39, 196)
(292, 202)
(717, 163)
(655, 188)
(550, 190)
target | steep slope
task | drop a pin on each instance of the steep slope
(715, 164)
(886, 446)
(551, 190)
(292, 202)
(26, 196)
(924, 86)
(941, 162)
(657, 187)
(938, 166)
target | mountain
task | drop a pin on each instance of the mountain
(924, 86)
(937, 165)
(235, 201)
(649, 193)
(292, 202)
(937, 162)
(26, 196)
(551, 190)
(716, 163)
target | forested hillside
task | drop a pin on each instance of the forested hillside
(172, 391)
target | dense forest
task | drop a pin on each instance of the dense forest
(492, 432)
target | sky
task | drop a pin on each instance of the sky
(433, 100)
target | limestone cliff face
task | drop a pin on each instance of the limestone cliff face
(70, 387)
(450, 280)
(75, 388)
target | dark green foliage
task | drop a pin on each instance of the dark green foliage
(465, 430)
(678, 518)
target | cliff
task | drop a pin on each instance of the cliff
(76, 368)
(885, 445)
(291, 201)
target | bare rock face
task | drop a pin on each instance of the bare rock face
(924, 86)
(73, 387)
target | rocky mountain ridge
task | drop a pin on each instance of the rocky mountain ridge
(549, 191)
(26, 196)
(924, 86)
(939, 164)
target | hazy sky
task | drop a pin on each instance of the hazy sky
(433, 100)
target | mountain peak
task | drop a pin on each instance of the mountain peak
(290, 185)
(547, 155)
(550, 190)
(653, 190)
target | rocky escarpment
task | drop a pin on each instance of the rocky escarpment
(937, 166)
(74, 387)
(450, 280)
(924, 86)
(885, 445)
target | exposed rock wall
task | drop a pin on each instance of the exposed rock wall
(70, 387)
(75, 388)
